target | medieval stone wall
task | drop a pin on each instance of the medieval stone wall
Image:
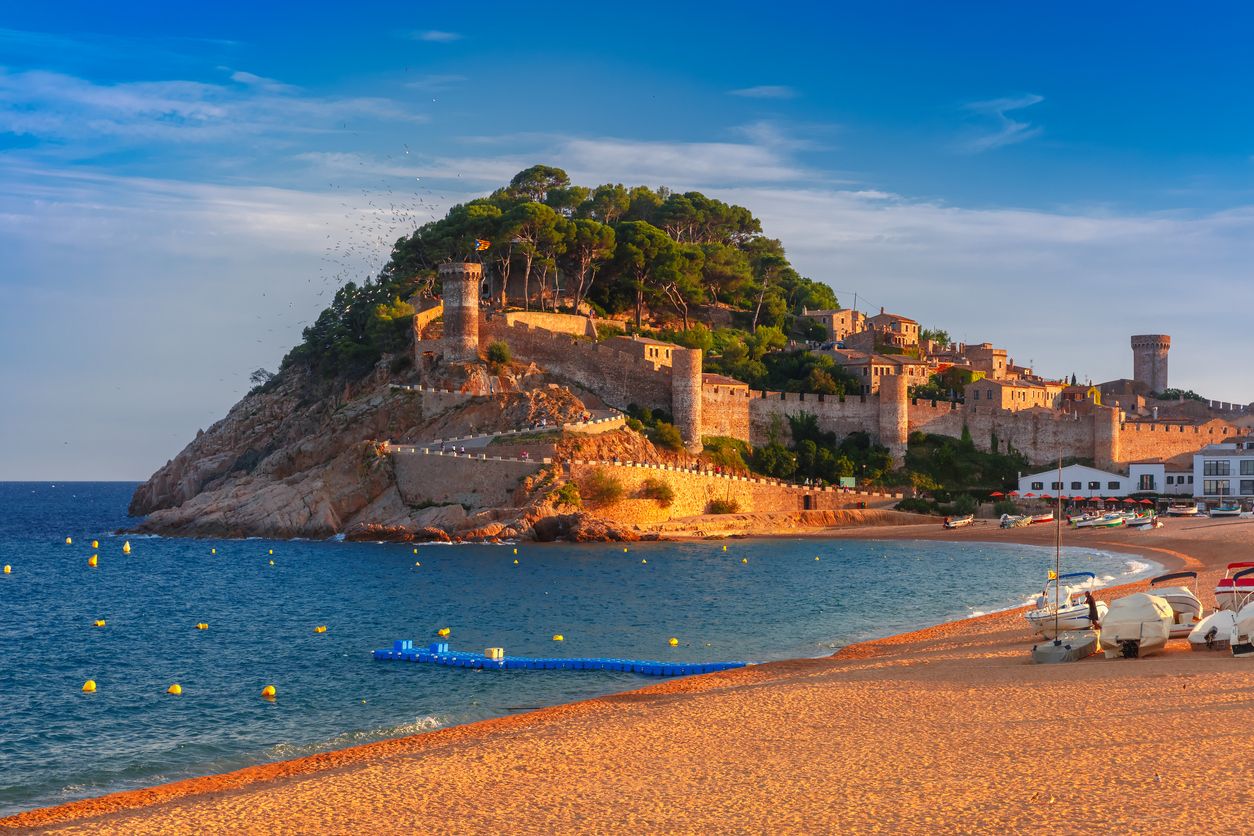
(725, 411)
(1155, 440)
(434, 479)
(558, 323)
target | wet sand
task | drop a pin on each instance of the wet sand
(948, 729)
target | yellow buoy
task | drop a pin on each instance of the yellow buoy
(8, 570)
(321, 628)
(419, 563)
(515, 551)
(69, 541)
(443, 631)
(624, 550)
(724, 548)
(271, 551)
(415, 551)
(89, 687)
(93, 560)
(816, 557)
(269, 692)
(515, 561)
(271, 562)
(744, 560)
(202, 626)
(99, 622)
(558, 637)
(126, 547)
(673, 642)
(95, 544)
(213, 551)
(175, 689)
(643, 560)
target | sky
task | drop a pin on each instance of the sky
(182, 188)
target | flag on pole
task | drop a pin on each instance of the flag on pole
(480, 246)
(1053, 576)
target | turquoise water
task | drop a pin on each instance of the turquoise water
(58, 744)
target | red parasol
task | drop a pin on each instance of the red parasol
(996, 493)
(1147, 502)
(1130, 501)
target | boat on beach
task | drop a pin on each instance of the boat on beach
(1136, 626)
(1226, 509)
(1110, 520)
(1234, 587)
(1186, 607)
(1015, 521)
(1061, 606)
(1242, 641)
(1043, 518)
(959, 522)
(1182, 509)
(1214, 632)
(1149, 520)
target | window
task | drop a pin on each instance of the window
(1247, 487)
(1190, 479)
(1146, 482)
(1247, 467)
(1094, 486)
(1171, 480)
(1075, 486)
(1036, 486)
(1055, 486)
(1215, 487)
(1216, 468)
(1114, 486)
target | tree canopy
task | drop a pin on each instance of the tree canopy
(636, 250)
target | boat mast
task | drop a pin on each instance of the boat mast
(1058, 548)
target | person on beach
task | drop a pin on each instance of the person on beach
(1088, 599)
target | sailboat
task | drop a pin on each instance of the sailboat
(1067, 645)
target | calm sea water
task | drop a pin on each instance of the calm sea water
(58, 744)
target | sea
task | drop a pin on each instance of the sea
(753, 600)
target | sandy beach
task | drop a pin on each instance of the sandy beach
(948, 729)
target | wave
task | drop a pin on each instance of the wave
(419, 725)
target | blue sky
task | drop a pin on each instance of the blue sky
(184, 189)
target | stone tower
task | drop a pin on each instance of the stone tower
(686, 395)
(461, 281)
(895, 415)
(1149, 360)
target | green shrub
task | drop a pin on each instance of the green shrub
(727, 453)
(499, 353)
(964, 503)
(635, 424)
(658, 490)
(568, 494)
(915, 505)
(722, 506)
(1005, 506)
(604, 487)
(667, 436)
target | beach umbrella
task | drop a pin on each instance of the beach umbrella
(1147, 502)
(1129, 501)
(1029, 494)
(996, 493)
(1014, 493)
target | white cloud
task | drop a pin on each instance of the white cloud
(1004, 130)
(253, 80)
(765, 91)
(435, 36)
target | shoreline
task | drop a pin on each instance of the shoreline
(186, 795)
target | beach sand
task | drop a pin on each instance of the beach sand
(949, 729)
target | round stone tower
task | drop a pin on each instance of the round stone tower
(1149, 360)
(686, 395)
(895, 415)
(460, 282)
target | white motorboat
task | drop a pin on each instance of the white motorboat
(959, 522)
(1142, 521)
(1043, 518)
(1136, 626)
(1112, 520)
(1234, 588)
(1226, 509)
(1013, 521)
(1186, 607)
(1061, 606)
(1214, 632)
(1182, 509)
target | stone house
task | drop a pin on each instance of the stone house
(1012, 395)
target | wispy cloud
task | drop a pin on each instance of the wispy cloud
(435, 36)
(59, 107)
(1004, 130)
(765, 91)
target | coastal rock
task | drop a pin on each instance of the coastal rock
(580, 528)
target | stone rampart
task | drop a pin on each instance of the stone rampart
(473, 481)
(558, 323)
(1160, 440)
(725, 411)
(839, 414)
(694, 490)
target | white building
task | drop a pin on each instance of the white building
(1077, 480)
(1225, 469)
(1168, 477)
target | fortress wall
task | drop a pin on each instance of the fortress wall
(725, 412)
(695, 490)
(835, 414)
(936, 417)
(1156, 440)
(1040, 435)
(617, 378)
(424, 318)
(558, 323)
(433, 479)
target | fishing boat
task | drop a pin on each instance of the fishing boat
(1043, 518)
(1101, 521)
(1142, 521)
(1015, 521)
(1066, 645)
(1214, 632)
(1186, 607)
(1226, 509)
(1232, 589)
(1061, 606)
(959, 522)
(1136, 626)
(1182, 509)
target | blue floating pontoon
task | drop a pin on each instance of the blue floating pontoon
(438, 653)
